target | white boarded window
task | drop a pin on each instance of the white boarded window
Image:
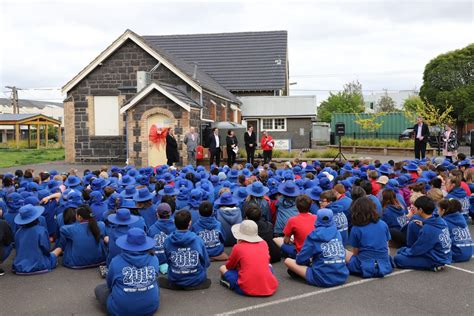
(106, 116)
(274, 124)
(267, 124)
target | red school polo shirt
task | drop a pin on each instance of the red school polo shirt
(300, 226)
(252, 261)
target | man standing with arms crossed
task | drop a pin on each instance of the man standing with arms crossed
(191, 141)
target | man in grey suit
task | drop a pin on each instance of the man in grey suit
(191, 140)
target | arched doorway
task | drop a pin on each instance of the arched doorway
(157, 127)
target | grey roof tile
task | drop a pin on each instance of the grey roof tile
(181, 95)
(15, 117)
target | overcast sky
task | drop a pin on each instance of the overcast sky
(383, 44)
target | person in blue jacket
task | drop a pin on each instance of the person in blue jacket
(228, 214)
(321, 261)
(186, 255)
(144, 200)
(369, 240)
(342, 199)
(83, 241)
(455, 191)
(97, 204)
(256, 195)
(159, 231)
(33, 254)
(14, 202)
(328, 200)
(314, 193)
(121, 221)
(395, 216)
(461, 246)
(432, 249)
(210, 231)
(131, 287)
(194, 200)
(285, 206)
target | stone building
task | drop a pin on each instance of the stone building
(121, 104)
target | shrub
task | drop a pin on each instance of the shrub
(377, 142)
(328, 153)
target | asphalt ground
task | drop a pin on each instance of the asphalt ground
(405, 292)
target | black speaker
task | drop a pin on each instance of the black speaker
(340, 129)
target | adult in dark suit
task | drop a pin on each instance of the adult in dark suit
(171, 148)
(231, 142)
(421, 132)
(215, 147)
(250, 139)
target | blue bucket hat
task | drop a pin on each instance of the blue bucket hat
(32, 186)
(129, 191)
(127, 203)
(27, 214)
(169, 190)
(314, 193)
(297, 170)
(272, 185)
(411, 167)
(195, 197)
(241, 194)
(168, 177)
(214, 179)
(184, 183)
(33, 200)
(15, 200)
(127, 180)
(96, 196)
(289, 188)
(133, 173)
(385, 169)
(122, 217)
(309, 169)
(143, 195)
(308, 183)
(135, 240)
(226, 199)
(288, 175)
(324, 183)
(99, 184)
(324, 218)
(246, 172)
(257, 189)
(392, 184)
(72, 181)
(233, 175)
(300, 183)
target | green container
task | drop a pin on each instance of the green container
(392, 125)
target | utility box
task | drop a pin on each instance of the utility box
(321, 133)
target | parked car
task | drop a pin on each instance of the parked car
(406, 134)
(434, 139)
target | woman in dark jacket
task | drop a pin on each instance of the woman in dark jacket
(171, 148)
(231, 142)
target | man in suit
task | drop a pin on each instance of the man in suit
(191, 141)
(214, 147)
(250, 140)
(421, 133)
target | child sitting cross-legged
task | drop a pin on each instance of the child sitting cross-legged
(248, 270)
(432, 248)
(160, 230)
(210, 230)
(321, 261)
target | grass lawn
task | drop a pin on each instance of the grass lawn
(18, 157)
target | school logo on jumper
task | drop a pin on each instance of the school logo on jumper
(160, 241)
(341, 221)
(466, 205)
(333, 248)
(461, 234)
(445, 239)
(138, 277)
(402, 220)
(184, 260)
(210, 238)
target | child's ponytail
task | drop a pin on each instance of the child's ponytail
(85, 212)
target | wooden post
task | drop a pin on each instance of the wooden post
(29, 135)
(46, 135)
(17, 135)
(38, 129)
(60, 137)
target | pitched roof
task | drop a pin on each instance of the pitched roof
(15, 117)
(284, 106)
(245, 61)
(30, 103)
(24, 118)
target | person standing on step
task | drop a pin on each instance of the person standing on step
(215, 147)
(421, 133)
(171, 148)
(250, 139)
(191, 142)
(232, 148)
(267, 146)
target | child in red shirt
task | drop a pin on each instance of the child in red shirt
(298, 226)
(248, 270)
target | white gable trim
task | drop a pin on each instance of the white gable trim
(235, 107)
(113, 47)
(146, 91)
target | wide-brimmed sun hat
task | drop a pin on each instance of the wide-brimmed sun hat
(135, 240)
(247, 231)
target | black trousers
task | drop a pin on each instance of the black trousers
(267, 156)
(398, 237)
(215, 155)
(420, 149)
(250, 154)
(230, 157)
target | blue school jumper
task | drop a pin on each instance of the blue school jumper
(187, 258)
(262, 205)
(340, 220)
(328, 267)
(378, 205)
(229, 216)
(461, 246)
(286, 208)
(49, 215)
(132, 281)
(460, 195)
(33, 251)
(373, 260)
(159, 232)
(413, 229)
(80, 247)
(98, 209)
(314, 208)
(149, 215)
(114, 232)
(210, 231)
(345, 203)
(471, 200)
(432, 248)
(193, 210)
(395, 217)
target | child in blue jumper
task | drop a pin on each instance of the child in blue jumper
(131, 287)
(120, 222)
(228, 214)
(33, 254)
(144, 200)
(159, 231)
(285, 206)
(395, 216)
(432, 248)
(369, 238)
(461, 246)
(328, 200)
(455, 191)
(186, 255)
(210, 231)
(321, 261)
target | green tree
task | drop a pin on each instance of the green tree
(370, 122)
(414, 106)
(448, 79)
(350, 100)
(385, 104)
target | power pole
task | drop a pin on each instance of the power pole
(15, 104)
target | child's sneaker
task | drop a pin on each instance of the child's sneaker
(293, 274)
(2, 272)
(224, 283)
(103, 271)
(437, 269)
(164, 268)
